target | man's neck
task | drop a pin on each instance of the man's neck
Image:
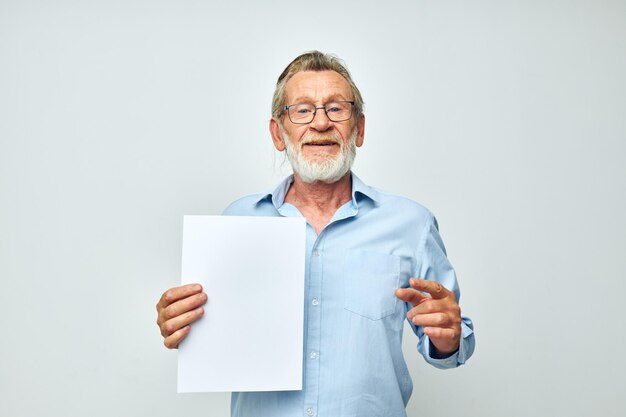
(318, 201)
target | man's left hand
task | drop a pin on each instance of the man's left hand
(439, 314)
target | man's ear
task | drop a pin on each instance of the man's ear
(360, 136)
(277, 136)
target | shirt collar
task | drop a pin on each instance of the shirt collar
(359, 191)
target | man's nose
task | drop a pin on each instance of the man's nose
(320, 122)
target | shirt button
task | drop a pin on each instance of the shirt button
(315, 302)
(316, 253)
(309, 411)
(313, 354)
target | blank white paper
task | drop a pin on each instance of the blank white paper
(251, 335)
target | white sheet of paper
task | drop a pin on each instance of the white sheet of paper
(251, 335)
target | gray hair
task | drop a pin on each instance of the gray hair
(313, 61)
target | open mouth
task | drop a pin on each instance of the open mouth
(321, 143)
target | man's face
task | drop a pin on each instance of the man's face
(322, 150)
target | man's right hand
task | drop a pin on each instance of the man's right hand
(177, 309)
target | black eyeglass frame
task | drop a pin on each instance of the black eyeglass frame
(287, 107)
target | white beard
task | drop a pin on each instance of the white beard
(330, 170)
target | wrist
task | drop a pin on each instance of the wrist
(437, 354)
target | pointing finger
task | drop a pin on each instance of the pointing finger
(435, 289)
(409, 295)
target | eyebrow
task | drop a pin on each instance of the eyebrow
(329, 99)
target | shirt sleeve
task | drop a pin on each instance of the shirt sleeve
(433, 264)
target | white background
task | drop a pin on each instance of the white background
(505, 118)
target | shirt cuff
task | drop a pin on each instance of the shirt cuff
(458, 358)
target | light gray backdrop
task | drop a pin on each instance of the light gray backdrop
(506, 118)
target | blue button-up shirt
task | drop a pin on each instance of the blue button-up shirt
(353, 362)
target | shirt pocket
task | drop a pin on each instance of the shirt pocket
(371, 281)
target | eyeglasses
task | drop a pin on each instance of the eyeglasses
(303, 113)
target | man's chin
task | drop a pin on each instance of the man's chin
(320, 162)
(327, 176)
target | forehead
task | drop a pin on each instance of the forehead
(317, 86)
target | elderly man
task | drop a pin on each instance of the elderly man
(373, 259)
